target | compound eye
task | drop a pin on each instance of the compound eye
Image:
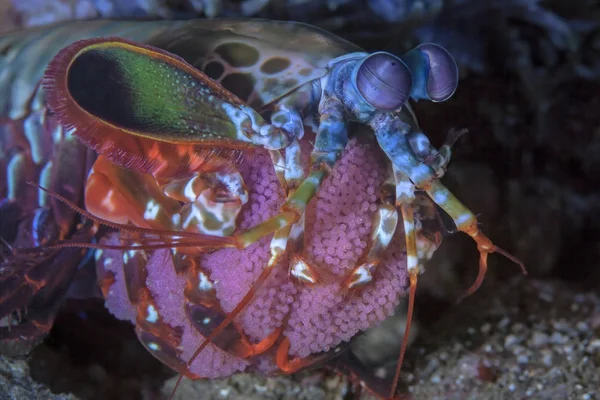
(384, 81)
(443, 72)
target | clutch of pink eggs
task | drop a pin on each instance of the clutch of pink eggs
(314, 318)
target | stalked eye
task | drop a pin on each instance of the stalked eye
(384, 81)
(443, 73)
(435, 72)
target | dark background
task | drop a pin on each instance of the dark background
(529, 168)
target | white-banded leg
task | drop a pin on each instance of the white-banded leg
(405, 200)
(466, 222)
(300, 267)
(289, 170)
(291, 238)
(287, 115)
(385, 221)
(400, 151)
(421, 243)
(417, 244)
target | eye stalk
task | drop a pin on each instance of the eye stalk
(384, 81)
(434, 71)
